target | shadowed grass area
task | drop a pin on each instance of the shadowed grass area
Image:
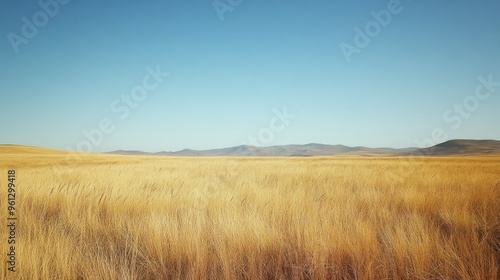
(119, 217)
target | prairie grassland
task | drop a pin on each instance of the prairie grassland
(119, 217)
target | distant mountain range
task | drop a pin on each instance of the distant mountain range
(449, 148)
(285, 150)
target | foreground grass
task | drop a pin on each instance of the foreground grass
(113, 217)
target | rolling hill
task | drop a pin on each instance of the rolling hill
(312, 149)
(461, 147)
(450, 148)
(19, 149)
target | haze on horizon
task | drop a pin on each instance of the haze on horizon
(264, 71)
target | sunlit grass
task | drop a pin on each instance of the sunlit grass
(117, 217)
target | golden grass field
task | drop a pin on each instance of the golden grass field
(122, 217)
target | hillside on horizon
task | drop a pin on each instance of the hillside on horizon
(448, 148)
(462, 147)
(455, 147)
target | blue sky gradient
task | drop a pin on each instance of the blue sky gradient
(227, 77)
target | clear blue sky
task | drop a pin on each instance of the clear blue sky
(227, 76)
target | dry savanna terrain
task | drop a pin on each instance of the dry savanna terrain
(125, 217)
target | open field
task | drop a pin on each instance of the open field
(120, 217)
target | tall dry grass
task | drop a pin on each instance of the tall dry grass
(116, 217)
